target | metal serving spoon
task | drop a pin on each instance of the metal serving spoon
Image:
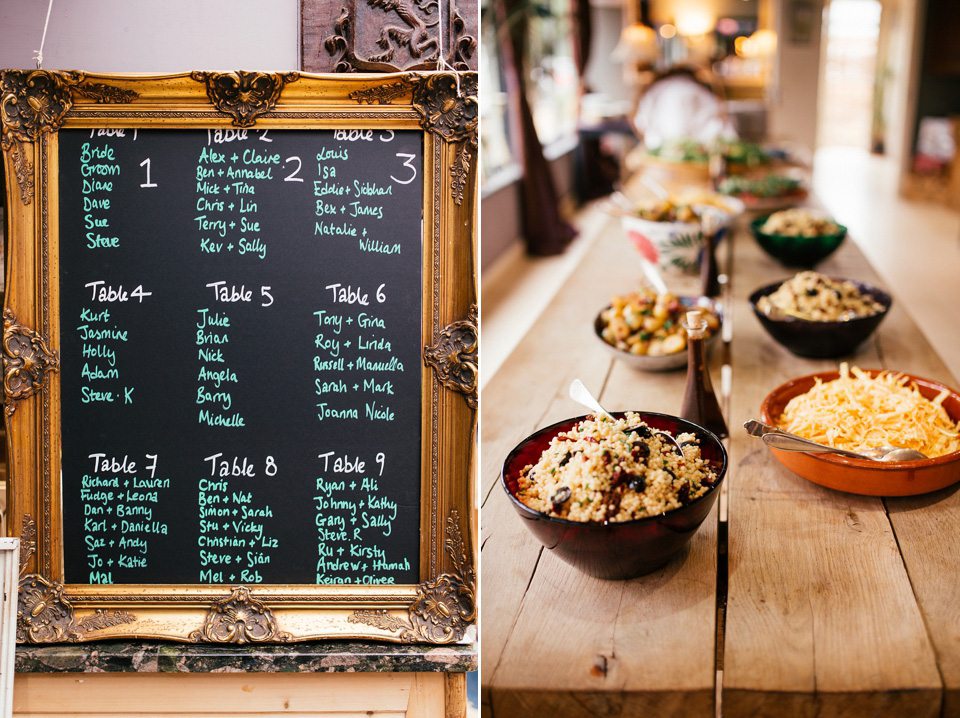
(652, 275)
(580, 394)
(780, 439)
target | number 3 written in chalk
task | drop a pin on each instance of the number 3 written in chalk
(410, 158)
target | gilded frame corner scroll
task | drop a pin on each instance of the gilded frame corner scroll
(449, 108)
(26, 361)
(34, 107)
(36, 102)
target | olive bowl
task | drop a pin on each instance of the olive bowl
(822, 340)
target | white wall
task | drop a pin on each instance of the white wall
(906, 60)
(902, 21)
(793, 107)
(603, 74)
(153, 36)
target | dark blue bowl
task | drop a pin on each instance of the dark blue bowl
(622, 549)
(797, 251)
(822, 340)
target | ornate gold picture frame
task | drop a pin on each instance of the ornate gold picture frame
(35, 106)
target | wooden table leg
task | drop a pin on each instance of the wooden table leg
(455, 698)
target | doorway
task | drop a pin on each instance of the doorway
(847, 96)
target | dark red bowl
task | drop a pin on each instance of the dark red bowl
(623, 549)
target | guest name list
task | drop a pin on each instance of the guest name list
(240, 354)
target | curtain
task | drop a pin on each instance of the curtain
(582, 30)
(545, 231)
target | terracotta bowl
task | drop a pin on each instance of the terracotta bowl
(863, 476)
(822, 340)
(663, 362)
(623, 549)
(766, 205)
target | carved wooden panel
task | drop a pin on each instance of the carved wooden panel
(388, 35)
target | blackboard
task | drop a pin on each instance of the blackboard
(240, 355)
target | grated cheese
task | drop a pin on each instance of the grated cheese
(857, 411)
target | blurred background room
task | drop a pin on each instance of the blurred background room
(861, 95)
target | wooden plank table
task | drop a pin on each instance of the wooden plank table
(792, 599)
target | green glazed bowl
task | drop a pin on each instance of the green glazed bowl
(797, 251)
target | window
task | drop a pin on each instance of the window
(551, 81)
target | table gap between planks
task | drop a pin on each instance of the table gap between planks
(804, 602)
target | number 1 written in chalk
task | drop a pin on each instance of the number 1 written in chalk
(148, 183)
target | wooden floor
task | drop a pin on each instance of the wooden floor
(914, 247)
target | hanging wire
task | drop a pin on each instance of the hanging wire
(38, 54)
(442, 63)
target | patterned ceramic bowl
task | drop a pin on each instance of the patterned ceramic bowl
(676, 246)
